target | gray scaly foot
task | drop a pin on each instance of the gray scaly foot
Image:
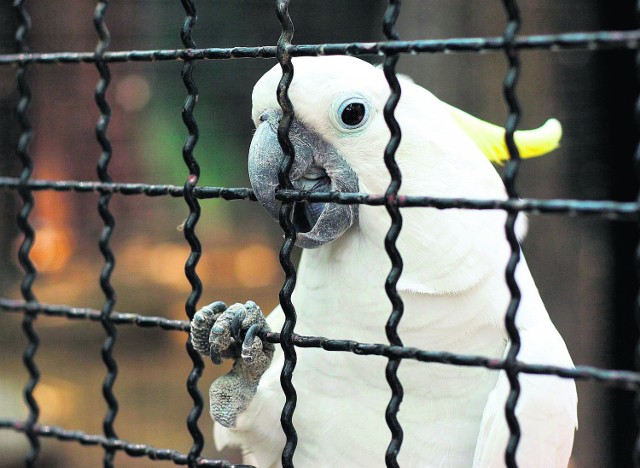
(221, 332)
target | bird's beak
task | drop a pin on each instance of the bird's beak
(317, 168)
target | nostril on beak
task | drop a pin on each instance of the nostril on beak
(270, 115)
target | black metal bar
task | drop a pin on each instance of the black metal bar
(226, 193)
(22, 151)
(84, 313)
(107, 231)
(189, 230)
(627, 380)
(510, 34)
(290, 357)
(621, 211)
(397, 309)
(620, 379)
(629, 211)
(113, 445)
(596, 40)
(636, 447)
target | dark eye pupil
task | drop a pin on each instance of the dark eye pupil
(353, 113)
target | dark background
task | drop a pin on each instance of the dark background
(584, 267)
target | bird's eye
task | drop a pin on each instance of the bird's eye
(353, 113)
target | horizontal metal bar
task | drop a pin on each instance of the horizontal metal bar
(81, 313)
(134, 450)
(621, 379)
(128, 189)
(610, 209)
(623, 211)
(627, 380)
(555, 42)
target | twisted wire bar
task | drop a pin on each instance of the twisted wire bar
(627, 211)
(513, 26)
(109, 224)
(636, 448)
(85, 313)
(111, 444)
(626, 380)
(620, 211)
(189, 229)
(397, 309)
(290, 357)
(22, 151)
(226, 193)
(598, 40)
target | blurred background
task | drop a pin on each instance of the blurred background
(583, 266)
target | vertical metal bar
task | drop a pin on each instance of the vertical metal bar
(189, 229)
(397, 393)
(290, 358)
(107, 231)
(510, 81)
(30, 315)
(636, 448)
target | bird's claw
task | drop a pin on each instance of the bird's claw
(233, 331)
(217, 331)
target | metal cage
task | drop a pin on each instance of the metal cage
(510, 44)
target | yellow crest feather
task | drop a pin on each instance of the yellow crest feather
(490, 138)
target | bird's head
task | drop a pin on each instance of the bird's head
(337, 103)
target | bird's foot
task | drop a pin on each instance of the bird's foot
(221, 332)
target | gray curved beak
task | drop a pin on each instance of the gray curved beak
(317, 167)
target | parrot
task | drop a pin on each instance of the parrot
(452, 286)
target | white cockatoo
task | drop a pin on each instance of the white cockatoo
(453, 288)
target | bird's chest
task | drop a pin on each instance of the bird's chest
(347, 300)
(344, 297)
(338, 391)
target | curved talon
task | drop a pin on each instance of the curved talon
(215, 356)
(236, 325)
(248, 342)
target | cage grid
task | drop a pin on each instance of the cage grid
(509, 44)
